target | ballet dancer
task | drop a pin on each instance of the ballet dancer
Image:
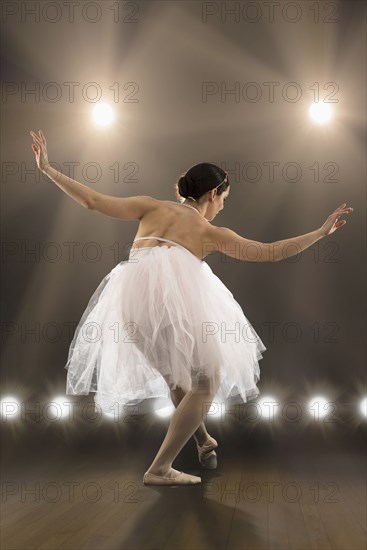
(177, 308)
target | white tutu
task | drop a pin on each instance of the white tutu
(160, 320)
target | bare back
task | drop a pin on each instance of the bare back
(178, 223)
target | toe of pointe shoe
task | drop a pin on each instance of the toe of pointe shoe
(180, 479)
(209, 461)
(207, 454)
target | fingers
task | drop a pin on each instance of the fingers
(346, 211)
(35, 138)
(39, 139)
(342, 211)
(339, 207)
(36, 152)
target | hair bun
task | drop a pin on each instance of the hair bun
(183, 187)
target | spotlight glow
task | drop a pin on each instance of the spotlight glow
(319, 407)
(58, 408)
(103, 114)
(320, 112)
(268, 406)
(10, 407)
(165, 412)
(363, 407)
(214, 410)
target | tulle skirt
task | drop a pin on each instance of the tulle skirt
(157, 321)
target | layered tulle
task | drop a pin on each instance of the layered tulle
(159, 320)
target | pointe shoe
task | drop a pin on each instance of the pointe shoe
(180, 479)
(207, 454)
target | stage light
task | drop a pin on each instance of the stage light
(109, 415)
(363, 407)
(319, 407)
(10, 407)
(214, 410)
(165, 411)
(320, 112)
(103, 114)
(60, 406)
(268, 407)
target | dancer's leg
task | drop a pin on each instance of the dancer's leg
(184, 422)
(201, 435)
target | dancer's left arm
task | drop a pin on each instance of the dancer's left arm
(123, 208)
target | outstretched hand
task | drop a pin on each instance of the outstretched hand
(40, 149)
(332, 223)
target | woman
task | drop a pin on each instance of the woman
(161, 323)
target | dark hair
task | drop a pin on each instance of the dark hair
(200, 179)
